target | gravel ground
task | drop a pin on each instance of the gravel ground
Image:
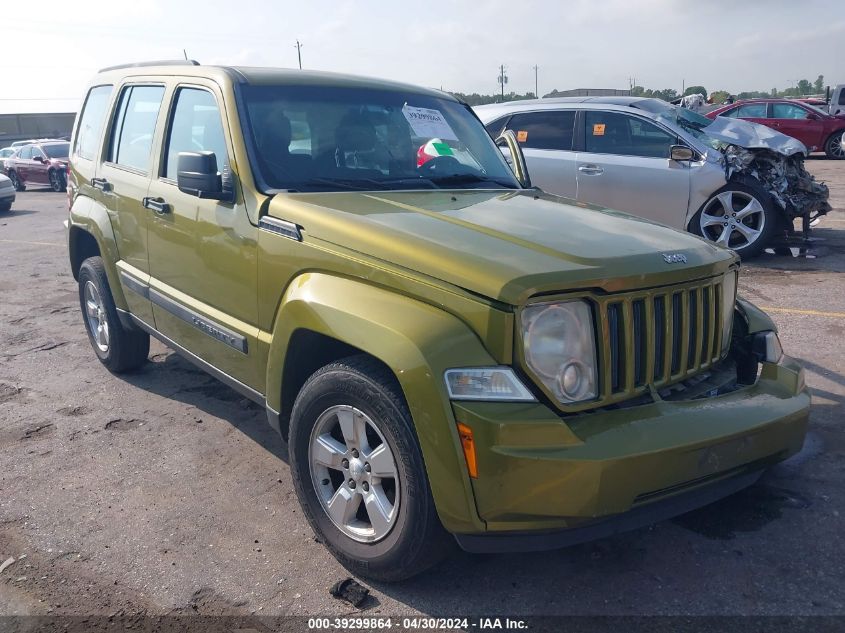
(164, 492)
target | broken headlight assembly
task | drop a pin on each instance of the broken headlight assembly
(766, 347)
(560, 349)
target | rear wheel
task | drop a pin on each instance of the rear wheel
(835, 145)
(5, 206)
(118, 348)
(16, 182)
(739, 216)
(359, 473)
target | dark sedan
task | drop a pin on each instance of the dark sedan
(39, 164)
(817, 129)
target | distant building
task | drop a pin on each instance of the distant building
(590, 92)
(20, 127)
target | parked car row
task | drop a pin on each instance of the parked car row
(39, 162)
(730, 181)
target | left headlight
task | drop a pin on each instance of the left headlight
(728, 306)
(560, 348)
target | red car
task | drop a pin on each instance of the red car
(39, 164)
(818, 130)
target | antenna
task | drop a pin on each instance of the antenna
(299, 53)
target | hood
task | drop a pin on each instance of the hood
(506, 246)
(753, 136)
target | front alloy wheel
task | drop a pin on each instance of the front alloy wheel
(741, 216)
(56, 181)
(835, 146)
(354, 473)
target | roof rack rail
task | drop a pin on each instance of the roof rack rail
(166, 62)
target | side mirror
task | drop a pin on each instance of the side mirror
(681, 153)
(38, 159)
(520, 169)
(197, 175)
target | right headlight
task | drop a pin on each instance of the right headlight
(560, 348)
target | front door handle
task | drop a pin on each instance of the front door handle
(157, 204)
(592, 170)
(101, 183)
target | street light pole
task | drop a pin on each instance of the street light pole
(536, 89)
(299, 53)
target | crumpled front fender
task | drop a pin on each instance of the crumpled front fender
(418, 342)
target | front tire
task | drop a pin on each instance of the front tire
(740, 216)
(57, 180)
(17, 183)
(359, 473)
(834, 147)
(118, 348)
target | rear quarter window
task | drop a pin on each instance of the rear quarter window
(91, 122)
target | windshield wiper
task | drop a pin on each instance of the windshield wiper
(468, 178)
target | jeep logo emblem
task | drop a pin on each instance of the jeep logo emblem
(674, 258)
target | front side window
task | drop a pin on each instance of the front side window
(134, 126)
(625, 135)
(750, 111)
(330, 138)
(196, 127)
(58, 150)
(37, 153)
(91, 122)
(26, 153)
(788, 111)
(544, 130)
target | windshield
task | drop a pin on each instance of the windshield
(59, 150)
(318, 138)
(677, 117)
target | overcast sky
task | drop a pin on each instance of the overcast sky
(51, 49)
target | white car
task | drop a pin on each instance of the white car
(7, 193)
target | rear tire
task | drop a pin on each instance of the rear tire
(16, 182)
(118, 348)
(834, 147)
(374, 534)
(5, 206)
(752, 219)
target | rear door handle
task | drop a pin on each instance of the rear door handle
(157, 204)
(101, 183)
(592, 170)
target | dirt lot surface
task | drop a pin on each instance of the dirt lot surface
(166, 492)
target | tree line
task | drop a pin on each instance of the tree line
(802, 88)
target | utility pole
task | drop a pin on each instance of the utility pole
(536, 88)
(299, 53)
(502, 79)
(185, 53)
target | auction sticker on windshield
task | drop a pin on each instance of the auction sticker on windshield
(428, 123)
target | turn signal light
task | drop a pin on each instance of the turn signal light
(468, 444)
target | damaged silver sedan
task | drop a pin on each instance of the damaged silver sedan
(736, 183)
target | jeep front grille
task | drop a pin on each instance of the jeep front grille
(657, 337)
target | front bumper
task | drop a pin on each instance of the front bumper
(7, 195)
(539, 474)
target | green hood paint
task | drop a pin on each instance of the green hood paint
(506, 246)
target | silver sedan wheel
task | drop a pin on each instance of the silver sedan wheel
(354, 473)
(95, 313)
(734, 219)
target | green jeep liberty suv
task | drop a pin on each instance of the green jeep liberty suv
(450, 354)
